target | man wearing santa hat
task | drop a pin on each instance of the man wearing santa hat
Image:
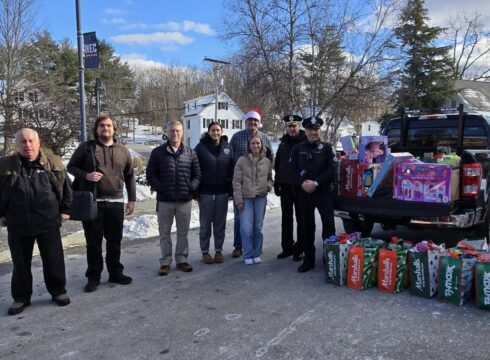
(239, 144)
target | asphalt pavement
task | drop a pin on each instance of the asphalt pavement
(233, 311)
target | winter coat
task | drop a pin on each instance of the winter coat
(175, 176)
(281, 164)
(251, 178)
(313, 161)
(113, 161)
(33, 194)
(216, 164)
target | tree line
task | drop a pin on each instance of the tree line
(342, 60)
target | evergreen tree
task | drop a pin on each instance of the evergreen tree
(426, 80)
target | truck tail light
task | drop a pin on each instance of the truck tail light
(471, 179)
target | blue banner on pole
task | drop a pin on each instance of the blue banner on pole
(90, 50)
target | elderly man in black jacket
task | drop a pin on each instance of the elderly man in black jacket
(284, 187)
(35, 198)
(173, 172)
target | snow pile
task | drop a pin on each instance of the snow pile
(145, 226)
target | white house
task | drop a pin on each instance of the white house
(200, 112)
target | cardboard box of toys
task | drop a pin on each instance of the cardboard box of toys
(348, 177)
(366, 173)
(423, 182)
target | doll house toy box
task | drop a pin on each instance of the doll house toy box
(422, 182)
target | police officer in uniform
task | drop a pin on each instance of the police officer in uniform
(288, 191)
(314, 168)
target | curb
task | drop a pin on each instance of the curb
(72, 240)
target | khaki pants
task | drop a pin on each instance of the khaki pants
(166, 212)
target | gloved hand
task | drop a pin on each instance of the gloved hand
(277, 189)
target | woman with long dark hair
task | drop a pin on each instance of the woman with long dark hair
(216, 162)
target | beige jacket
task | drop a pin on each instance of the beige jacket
(251, 178)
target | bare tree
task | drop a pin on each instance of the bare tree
(16, 34)
(312, 55)
(470, 37)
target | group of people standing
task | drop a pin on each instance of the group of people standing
(35, 183)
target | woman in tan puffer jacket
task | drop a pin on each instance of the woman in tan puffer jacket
(252, 180)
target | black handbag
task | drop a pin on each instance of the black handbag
(84, 203)
(83, 206)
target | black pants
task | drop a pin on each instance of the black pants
(321, 200)
(108, 225)
(290, 201)
(51, 251)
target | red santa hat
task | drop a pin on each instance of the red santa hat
(254, 114)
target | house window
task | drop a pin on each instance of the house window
(236, 124)
(222, 106)
(21, 96)
(208, 121)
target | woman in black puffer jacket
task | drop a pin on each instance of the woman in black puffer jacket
(215, 157)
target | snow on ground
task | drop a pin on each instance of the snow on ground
(146, 226)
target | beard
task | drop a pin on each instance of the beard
(105, 138)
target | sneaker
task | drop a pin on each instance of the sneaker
(284, 254)
(185, 267)
(219, 258)
(248, 261)
(236, 253)
(120, 279)
(207, 258)
(61, 299)
(91, 286)
(164, 270)
(257, 260)
(304, 267)
(18, 306)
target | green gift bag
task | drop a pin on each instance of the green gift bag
(423, 268)
(482, 282)
(335, 264)
(455, 279)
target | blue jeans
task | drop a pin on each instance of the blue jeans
(237, 239)
(251, 223)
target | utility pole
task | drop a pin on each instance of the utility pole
(81, 74)
(217, 66)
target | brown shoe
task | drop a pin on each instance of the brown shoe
(164, 270)
(219, 258)
(185, 267)
(236, 253)
(207, 258)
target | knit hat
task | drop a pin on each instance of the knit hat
(254, 114)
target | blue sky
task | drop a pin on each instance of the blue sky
(164, 31)
(179, 32)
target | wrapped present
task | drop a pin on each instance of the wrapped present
(422, 182)
(482, 281)
(373, 149)
(362, 264)
(392, 268)
(456, 276)
(385, 175)
(423, 266)
(335, 258)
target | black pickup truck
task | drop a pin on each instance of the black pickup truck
(465, 133)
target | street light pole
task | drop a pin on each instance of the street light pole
(217, 65)
(81, 74)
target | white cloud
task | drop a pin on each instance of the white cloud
(140, 61)
(139, 26)
(441, 10)
(163, 38)
(115, 12)
(114, 21)
(187, 25)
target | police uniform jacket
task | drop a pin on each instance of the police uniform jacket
(313, 161)
(281, 163)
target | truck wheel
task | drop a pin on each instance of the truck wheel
(351, 226)
(355, 225)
